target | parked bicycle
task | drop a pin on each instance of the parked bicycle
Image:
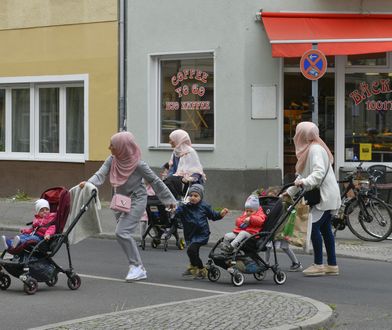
(367, 216)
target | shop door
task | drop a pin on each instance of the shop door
(298, 107)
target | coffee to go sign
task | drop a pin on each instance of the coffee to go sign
(189, 82)
(367, 90)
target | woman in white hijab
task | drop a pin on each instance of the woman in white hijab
(184, 164)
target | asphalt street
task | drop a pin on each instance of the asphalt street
(359, 298)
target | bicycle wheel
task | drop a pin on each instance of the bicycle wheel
(369, 218)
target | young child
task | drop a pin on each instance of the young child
(194, 216)
(41, 227)
(296, 266)
(249, 223)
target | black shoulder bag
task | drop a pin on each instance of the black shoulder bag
(313, 197)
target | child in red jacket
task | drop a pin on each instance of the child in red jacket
(249, 223)
(43, 226)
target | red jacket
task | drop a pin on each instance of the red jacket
(39, 226)
(255, 224)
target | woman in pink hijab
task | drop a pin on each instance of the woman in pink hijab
(184, 164)
(314, 169)
(126, 172)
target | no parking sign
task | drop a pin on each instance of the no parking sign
(313, 64)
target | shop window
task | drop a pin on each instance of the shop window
(46, 121)
(375, 59)
(368, 117)
(187, 98)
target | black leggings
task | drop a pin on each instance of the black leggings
(193, 254)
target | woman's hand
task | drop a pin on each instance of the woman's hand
(82, 184)
(47, 237)
(298, 182)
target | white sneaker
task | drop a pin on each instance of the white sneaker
(4, 243)
(15, 241)
(136, 273)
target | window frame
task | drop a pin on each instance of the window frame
(155, 94)
(34, 83)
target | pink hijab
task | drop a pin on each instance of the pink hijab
(126, 160)
(182, 142)
(306, 134)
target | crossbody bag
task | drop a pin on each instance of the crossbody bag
(120, 203)
(313, 197)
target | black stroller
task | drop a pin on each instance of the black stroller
(33, 262)
(245, 259)
(162, 224)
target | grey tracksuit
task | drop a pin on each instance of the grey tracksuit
(135, 188)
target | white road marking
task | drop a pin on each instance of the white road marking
(153, 284)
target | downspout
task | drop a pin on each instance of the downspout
(122, 111)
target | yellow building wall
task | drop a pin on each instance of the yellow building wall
(90, 48)
(16, 14)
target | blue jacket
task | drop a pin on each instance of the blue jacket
(194, 218)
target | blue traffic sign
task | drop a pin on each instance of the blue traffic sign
(313, 64)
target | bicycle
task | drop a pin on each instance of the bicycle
(367, 216)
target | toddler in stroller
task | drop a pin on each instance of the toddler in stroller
(42, 227)
(250, 222)
(245, 258)
(32, 259)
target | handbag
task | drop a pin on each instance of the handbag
(313, 196)
(120, 203)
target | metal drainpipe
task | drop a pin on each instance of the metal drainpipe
(122, 111)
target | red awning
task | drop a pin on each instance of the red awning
(292, 34)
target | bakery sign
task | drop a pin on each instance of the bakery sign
(366, 90)
(189, 82)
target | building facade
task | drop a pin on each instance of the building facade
(212, 69)
(58, 91)
(74, 72)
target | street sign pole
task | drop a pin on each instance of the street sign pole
(315, 96)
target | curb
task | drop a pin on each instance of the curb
(290, 311)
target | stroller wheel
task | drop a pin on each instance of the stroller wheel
(74, 282)
(260, 275)
(238, 279)
(30, 286)
(181, 244)
(5, 281)
(213, 273)
(155, 243)
(280, 277)
(52, 281)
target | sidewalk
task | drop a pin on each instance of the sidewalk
(15, 214)
(305, 313)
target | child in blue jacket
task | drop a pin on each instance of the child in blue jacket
(194, 216)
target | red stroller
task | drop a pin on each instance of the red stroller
(32, 261)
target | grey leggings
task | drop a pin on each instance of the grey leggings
(127, 224)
